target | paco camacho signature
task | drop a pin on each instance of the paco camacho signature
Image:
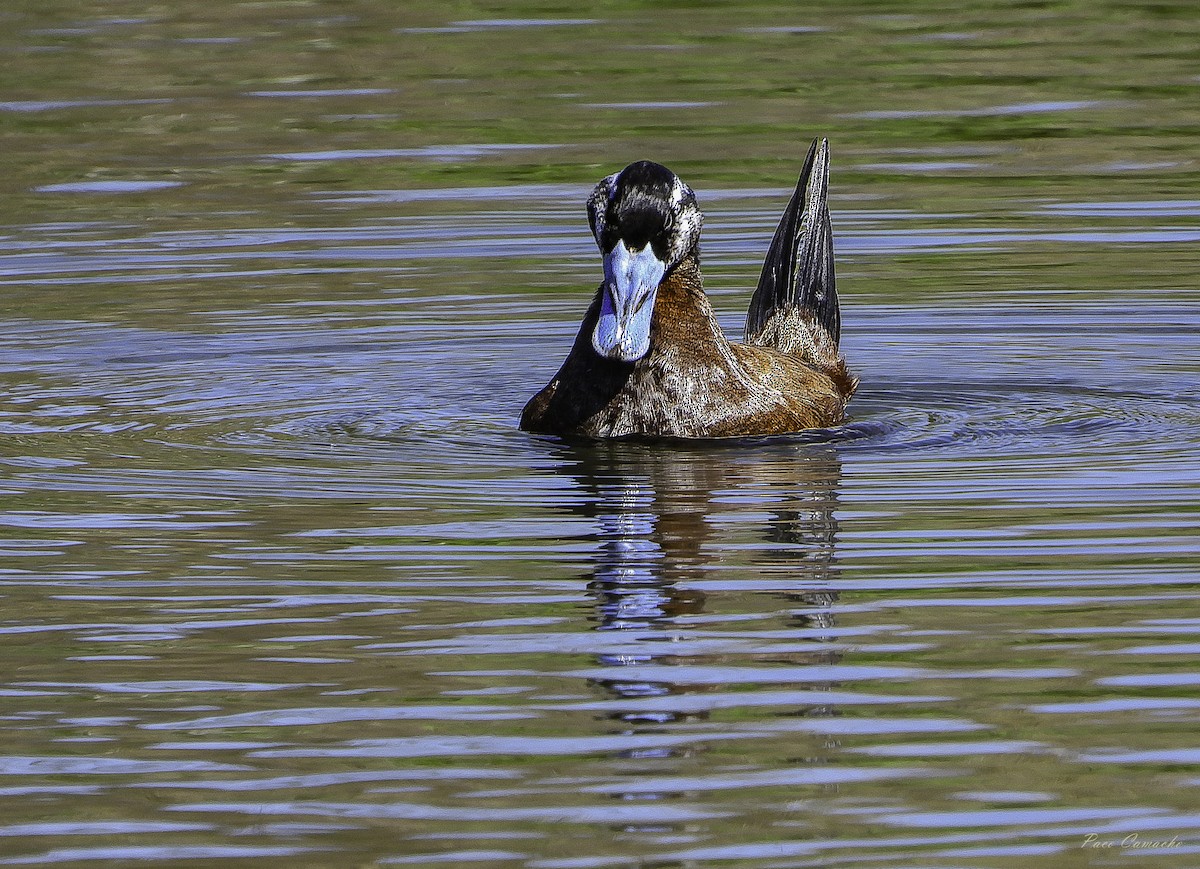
(1133, 840)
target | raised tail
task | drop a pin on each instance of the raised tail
(797, 288)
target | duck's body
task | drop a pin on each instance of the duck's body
(650, 358)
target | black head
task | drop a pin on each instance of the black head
(645, 221)
(645, 204)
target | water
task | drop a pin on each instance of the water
(281, 581)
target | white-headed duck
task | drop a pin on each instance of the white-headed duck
(650, 358)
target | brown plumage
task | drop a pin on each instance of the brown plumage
(670, 372)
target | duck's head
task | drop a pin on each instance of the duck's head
(645, 221)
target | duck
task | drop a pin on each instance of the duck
(650, 359)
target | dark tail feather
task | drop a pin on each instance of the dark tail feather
(798, 272)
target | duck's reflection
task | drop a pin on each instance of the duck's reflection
(673, 521)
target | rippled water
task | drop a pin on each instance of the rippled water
(282, 581)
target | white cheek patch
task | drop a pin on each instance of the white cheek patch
(597, 203)
(679, 192)
(688, 222)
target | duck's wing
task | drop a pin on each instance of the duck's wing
(797, 277)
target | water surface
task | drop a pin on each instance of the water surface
(281, 580)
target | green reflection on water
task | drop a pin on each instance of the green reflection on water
(977, 116)
(1050, 97)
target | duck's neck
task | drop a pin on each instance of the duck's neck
(682, 312)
